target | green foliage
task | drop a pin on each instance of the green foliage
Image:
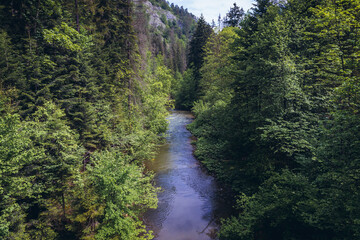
(161, 3)
(337, 173)
(277, 119)
(277, 211)
(75, 103)
(185, 96)
(15, 153)
(234, 16)
(212, 111)
(159, 83)
(9, 67)
(124, 191)
(51, 134)
(66, 37)
(190, 90)
(218, 70)
(197, 44)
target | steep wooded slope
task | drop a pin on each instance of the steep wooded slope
(84, 92)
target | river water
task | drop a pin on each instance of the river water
(188, 203)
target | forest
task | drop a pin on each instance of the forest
(276, 99)
(84, 95)
(86, 86)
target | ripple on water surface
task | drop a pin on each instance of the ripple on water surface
(188, 198)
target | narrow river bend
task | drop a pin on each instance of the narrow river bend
(188, 200)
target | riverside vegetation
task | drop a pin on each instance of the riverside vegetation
(276, 99)
(84, 92)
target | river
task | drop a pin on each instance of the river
(189, 202)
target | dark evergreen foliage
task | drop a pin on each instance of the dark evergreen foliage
(84, 90)
(277, 119)
(234, 16)
(189, 89)
(77, 99)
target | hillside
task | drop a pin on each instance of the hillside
(164, 30)
(84, 94)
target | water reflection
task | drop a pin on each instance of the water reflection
(188, 199)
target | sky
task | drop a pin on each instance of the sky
(212, 8)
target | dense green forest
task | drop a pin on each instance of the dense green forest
(276, 98)
(85, 89)
(84, 95)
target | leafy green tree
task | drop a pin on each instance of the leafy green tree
(317, 159)
(79, 101)
(53, 171)
(218, 69)
(336, 170)
(271, 109)
(278, 210)
(124, 193)
(185, 96)
(334, 35)
(156, 99)
(15, 153)
(212, 111)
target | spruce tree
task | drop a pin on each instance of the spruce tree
(197, 44)
(197, 51)
(234, 16)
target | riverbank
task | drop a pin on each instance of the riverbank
(189, 203)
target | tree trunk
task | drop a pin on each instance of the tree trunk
(37, 16)
(63, 204)
(29, 34)
(128, 50)
(77, 16)
(12, 8)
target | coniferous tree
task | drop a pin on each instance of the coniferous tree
(15, 154)
(197, 43)
(67, 69)
(196, 59)
(234, 16)
(293, 72)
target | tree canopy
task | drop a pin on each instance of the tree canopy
(84, 98)
(277, 116)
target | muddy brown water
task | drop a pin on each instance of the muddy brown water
(189, 204)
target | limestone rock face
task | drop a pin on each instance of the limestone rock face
(156, 13)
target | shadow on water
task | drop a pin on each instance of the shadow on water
(189, 204)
